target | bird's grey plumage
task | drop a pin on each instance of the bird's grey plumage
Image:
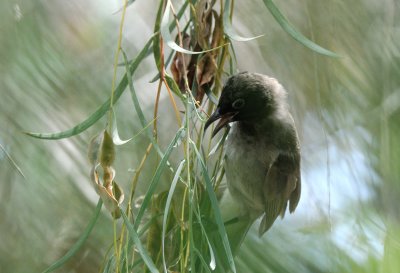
(262, 160)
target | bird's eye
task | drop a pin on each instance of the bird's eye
(238, 104)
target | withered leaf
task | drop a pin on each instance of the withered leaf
(204, 22)
(181, 62)
(112, 199)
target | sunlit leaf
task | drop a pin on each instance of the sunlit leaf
(115, 135)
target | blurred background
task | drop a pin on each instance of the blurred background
(56, 65)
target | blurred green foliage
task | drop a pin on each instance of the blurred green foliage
(56, 68)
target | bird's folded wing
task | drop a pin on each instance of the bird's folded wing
(282, 186)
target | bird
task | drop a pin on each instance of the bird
(262, 150)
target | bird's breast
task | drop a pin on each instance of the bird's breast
(247, 161)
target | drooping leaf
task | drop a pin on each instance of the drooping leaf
(141, 249)
(284, 23)
(156, 177)
(173, 85)
(115, 135)
(116, 138)
(216, 210)
(156, 45)
(118, 141)
(103, 108)
(212, 263)
(205, 265)
(138, 108)
(167, 207)
(228, 28)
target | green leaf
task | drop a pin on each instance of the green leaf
(212, 263)
(199, 255)
(167, 206)
(284, 23)
(216, 210)
(156, 44)
(174, 86)
(157, 175)
(118, 141)
(115, 135)
(228, 28)
(103, 108)
(135, 238)
(135, 100)
(139, 110)
(82, 239)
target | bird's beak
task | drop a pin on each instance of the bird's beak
(224, 119)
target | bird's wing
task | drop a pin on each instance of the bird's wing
(282, 186)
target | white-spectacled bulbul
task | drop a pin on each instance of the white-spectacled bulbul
(262, 153)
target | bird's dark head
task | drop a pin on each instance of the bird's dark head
(247, 97)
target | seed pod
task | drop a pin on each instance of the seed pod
(107, 155)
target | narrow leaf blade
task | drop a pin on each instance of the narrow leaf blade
(228, 28)
(135, 238)
(167, 206)
(216, 210)
(284, 23)
(157, 175)
(102, 109)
